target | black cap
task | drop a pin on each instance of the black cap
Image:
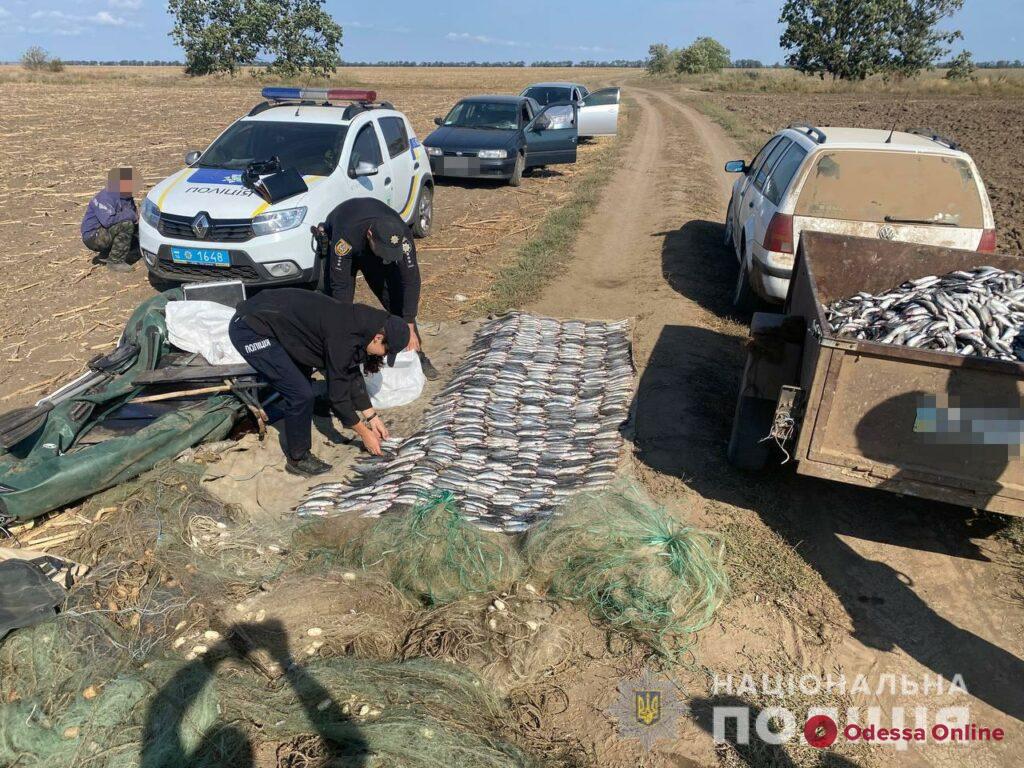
(396, 335)
(391, 239)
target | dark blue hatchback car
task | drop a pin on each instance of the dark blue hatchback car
(501, 137)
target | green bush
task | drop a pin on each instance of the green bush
(704, 56)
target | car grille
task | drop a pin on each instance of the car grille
(459, 153)
(221, 230)
(199, 272)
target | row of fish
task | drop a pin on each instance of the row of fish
(968, 312)
(529, 418)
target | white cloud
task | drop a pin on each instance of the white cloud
(130, 5)
(106, 19)
(466, 37)
(102, 18)
(4, 13)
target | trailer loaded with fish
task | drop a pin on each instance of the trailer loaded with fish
(530, 418)
(894, 366)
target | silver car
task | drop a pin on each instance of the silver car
(598, 111)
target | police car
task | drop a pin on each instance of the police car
(204, 223)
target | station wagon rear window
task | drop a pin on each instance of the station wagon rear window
(313, 149)
(892, 187)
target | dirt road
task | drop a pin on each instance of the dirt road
(879, 584)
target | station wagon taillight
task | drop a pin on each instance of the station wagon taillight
(988, 241)
(779, 237)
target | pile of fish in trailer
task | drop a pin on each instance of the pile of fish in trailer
(530, 418)
(977, 312)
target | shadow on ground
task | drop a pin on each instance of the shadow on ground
(228, 745)
(682, 417)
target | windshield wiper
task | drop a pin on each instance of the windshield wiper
(930, 222)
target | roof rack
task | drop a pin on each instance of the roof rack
(937, 138)
(815, 133)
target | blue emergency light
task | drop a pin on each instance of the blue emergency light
(318, 94)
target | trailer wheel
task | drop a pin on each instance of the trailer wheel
(751, 423)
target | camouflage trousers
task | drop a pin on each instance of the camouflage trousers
(113, 244)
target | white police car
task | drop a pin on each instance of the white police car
(202, 223)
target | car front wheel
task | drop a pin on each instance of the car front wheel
(424, 218)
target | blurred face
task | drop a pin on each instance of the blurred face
(378, 346)
(123, 181)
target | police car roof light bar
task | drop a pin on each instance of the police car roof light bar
(319, 94)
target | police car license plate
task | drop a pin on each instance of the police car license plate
(207, 257)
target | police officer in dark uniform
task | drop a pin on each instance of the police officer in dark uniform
(366, 235)
(286, 332)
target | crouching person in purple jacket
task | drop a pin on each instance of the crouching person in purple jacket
(111, 223)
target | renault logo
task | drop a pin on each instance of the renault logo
(201, 225)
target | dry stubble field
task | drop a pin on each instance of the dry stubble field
(60, 133)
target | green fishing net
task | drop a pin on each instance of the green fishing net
(432, 553)
(71, 698)
(160, 549)
(636, 567)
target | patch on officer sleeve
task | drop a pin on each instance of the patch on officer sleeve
(342, 248)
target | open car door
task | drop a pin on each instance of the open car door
(552, 135)
(599, 114)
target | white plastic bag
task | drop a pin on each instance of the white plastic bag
(396, 386)
(202, 326)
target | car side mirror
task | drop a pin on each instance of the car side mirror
(736, 166)
(543, 122)
(438, 121)
(364, 168)
(193, 157)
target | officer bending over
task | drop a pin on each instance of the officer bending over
(286, 332)
(366, 235)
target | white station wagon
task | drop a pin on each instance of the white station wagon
(916, 187)
(205, 223)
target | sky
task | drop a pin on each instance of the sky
(463, 30)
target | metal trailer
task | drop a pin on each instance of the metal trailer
(878, 415)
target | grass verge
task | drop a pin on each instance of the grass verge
(748, 137)
(537, 261)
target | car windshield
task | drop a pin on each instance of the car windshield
(498, 115)
(313, 149)
(907, 187)
(548, 94)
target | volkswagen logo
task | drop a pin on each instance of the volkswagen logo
(201, 225)
(886, 233)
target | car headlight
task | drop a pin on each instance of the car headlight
(493, 154)
(150, 213)
(278, 221)
(435, 151)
